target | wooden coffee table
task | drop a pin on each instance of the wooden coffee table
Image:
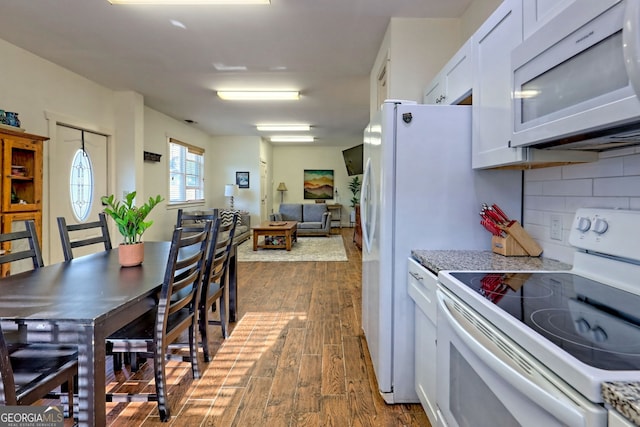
(286, 229)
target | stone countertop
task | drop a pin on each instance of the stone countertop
(624, 397)
(460, 260)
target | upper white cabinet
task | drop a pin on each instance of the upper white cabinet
(492, 84)
(492, 45)
(536, 13)
(453, 83)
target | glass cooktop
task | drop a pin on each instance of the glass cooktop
(597, 324)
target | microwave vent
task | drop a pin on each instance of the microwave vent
(600, 140)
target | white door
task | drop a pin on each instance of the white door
(264, 194)
(83, 155)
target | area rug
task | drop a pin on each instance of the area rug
(305, 249)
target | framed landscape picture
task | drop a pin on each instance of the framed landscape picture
(242, 179)
(318, 184)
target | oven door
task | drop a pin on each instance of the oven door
(485, 379)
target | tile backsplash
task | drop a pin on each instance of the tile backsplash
(556, 193)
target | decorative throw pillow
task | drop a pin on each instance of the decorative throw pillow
(226, 216)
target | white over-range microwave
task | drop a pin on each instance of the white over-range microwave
(576, 81)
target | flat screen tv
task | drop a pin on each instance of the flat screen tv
(353, 160)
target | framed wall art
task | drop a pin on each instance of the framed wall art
(318, 184)
(242, 179)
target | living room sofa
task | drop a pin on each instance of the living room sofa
(243, 226)
(314, 219)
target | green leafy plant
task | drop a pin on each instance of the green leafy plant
(354, 186)
(129, 218)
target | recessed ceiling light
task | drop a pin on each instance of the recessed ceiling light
(283, 128)
(189, 2)
(258, 95)
(222, 67)
(177, 23)
(290, 138)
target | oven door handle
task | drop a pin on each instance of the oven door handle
(539, 389)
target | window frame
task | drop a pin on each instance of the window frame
(184, 172)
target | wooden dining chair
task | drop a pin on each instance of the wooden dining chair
(31, 372)
(215, 292)
(176, 311)
(14, 253)
(68, 244)
(16, 250)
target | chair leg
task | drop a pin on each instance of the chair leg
(202, 322)
(193, 350)
(161, 385)
(224, 318)
(70, 388)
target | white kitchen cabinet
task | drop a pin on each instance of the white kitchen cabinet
(536, 13)
(616, 419)
(422, 285)
(492, 122)
(453, 83)
(492, 46)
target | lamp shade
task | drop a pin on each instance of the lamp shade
(281, 187)
(230, 190)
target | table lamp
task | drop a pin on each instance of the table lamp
(281, 188)
(230, 190)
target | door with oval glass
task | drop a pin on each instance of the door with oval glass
(78, 178)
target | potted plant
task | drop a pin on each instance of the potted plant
(131, 223)
(354, 186)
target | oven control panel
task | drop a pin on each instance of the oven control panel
(610, 231)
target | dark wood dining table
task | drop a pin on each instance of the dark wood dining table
(85, 300)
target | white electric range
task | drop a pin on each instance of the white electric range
(533, 348)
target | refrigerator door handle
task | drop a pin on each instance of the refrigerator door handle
(368, 206)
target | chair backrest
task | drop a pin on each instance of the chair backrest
(8, 386)
(194, 219)
(15, 254)
(182, 283)
(217, 262)
(68, 245)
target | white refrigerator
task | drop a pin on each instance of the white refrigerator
(418, 192)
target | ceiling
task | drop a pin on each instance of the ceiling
(323, 48)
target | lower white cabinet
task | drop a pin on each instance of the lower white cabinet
(616, 419)
(422, 285)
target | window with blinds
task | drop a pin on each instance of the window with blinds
(186, 172)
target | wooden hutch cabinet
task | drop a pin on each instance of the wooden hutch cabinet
(21, 195)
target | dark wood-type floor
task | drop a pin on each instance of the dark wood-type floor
(296, 357)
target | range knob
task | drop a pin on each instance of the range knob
(599, 226)
(582, 326)
(583, 224)
(598, 334)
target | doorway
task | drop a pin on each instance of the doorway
(78, 179)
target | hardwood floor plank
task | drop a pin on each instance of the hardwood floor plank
(333, 381)
(309, 384)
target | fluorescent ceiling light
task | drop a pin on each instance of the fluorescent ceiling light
(289, 138)
(283, 128)
(240, 95)
(189, 2)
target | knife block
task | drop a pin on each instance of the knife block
(507, 246)
(517, 242)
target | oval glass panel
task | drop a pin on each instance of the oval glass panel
(81, 185)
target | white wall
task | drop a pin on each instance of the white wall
(477, 12)
(231, 154)
(611, 182)
(291, 161)
(158, 128)
(415, 50)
